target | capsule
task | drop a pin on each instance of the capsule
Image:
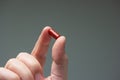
(53, 33)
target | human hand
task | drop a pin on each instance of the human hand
(30, 66)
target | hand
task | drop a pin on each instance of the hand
(30, 66)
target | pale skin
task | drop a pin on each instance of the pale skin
(30, 66)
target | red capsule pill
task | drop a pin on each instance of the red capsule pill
(54, 34)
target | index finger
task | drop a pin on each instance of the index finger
(41, 47)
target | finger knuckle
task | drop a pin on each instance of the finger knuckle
(10, 63)
(21, 54)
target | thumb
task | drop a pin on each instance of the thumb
(60, 60)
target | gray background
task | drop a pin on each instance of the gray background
(92, 29)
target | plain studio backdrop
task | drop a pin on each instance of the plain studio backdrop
(92, 29)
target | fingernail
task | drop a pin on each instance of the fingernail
(37, 76)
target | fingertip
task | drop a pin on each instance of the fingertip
(60, 60)
(44, 33)
(61, 39)
(43, 41)
(60, 43)
(41, 46)
(58, 50)
(47, 28)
